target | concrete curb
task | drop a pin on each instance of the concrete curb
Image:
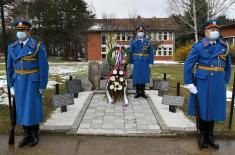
(79, 117)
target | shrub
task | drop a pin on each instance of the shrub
(232, 51)
(182, 52)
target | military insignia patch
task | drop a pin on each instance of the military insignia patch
(32, 45)
(205, 43)
(20, 24)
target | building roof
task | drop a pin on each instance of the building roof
(127, 24)
(228, 26)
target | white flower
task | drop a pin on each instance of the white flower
(115, 72)
(120, 87)
(115, 89)
(112, 78)
(121, 79)
(111, 87)
(121, 72)
(116, 83)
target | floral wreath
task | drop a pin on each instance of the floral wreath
(116, 81)
(111, 60)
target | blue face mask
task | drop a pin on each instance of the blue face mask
(21, 36)
(140, 34)
(214, 35)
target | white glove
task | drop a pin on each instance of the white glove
(132, 66)
(191, 87)
(12, 91)
(41, 91)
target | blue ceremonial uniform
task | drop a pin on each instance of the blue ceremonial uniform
(30, 58)
(141, 56)
(211, 85)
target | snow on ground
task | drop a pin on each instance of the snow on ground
(64, 68)
(61, 69)
(166, 62)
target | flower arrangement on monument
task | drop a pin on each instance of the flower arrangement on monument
(116, 81)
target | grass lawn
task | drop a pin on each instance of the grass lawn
(174, 75)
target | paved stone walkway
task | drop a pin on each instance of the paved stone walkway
(92, 115)
(102, 118)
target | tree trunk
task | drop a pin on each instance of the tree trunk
(195, 21)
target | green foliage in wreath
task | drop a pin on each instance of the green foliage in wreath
(111, 60)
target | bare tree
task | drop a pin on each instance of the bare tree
(133, 16)
(109, 24)
(218, 8)
(214, 9)
(181, 7)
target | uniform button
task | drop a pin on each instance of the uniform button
(212, 65)
(212, 74)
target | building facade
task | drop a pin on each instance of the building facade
(107, 33)
(228, 32)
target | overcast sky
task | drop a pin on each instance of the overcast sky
(145, 8)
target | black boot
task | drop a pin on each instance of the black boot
(137, 94)
(210, 136)
(26, 138)
(202, 141)
(143, 91)
(34, 135)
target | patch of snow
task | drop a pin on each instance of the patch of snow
(166, 62)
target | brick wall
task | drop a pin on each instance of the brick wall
(94, 46)
(228, 32)
(163, 58)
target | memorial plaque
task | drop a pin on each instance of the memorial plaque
(105, 69)
(62, 100)
(173, 100)
(94, 74)
(161, 85)
(74, 86)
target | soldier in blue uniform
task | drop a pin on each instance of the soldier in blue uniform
(141, 58)
(27, 76)
(213, 71)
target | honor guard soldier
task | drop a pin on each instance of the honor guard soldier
(141, 58)
(213, 69)
(27, 76)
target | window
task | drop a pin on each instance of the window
(118, 37)
(154, 36)
(103, 49)
(128, 36)
(159, 52)
(103, 52)
(103, 39)
(170, 51)
(123, 36)
(160, 36)
(165, 51)
(170, 36)
(103, 56)
(133, 35)
(165, 35)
